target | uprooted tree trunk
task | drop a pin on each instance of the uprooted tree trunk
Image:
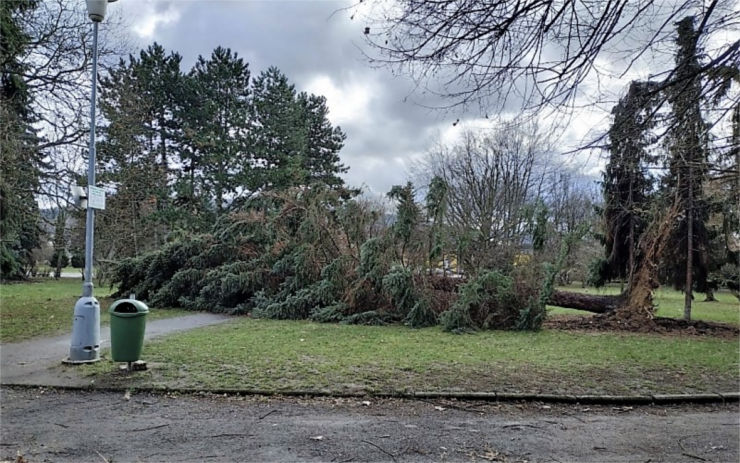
(635, 304)
(588, 302)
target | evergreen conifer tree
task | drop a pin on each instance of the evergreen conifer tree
(293, 141)
(626, 183)
(20, 159)
(686, 260)
(217, 157)
(278, 132)
(322, 142)
(140, 147)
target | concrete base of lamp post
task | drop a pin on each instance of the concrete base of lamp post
(85, 344)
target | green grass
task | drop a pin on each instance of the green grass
(670, 304)
(46, 307)
(289, 355)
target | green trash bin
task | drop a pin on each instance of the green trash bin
(127, 324)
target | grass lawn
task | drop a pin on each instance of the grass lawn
(670, 304)
(46, 307)
(298, 355)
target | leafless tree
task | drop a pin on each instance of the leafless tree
(541, 52)
(498, 181)
(56, 71)
(492, 180)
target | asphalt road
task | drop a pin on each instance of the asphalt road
(47, 425)
(38, 361)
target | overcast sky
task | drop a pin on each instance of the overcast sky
(320, 48)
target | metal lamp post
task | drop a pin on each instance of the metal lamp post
(85, 343)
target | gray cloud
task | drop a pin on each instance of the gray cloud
(307, 41)
(319, 48)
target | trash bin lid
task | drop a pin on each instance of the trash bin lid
(128, 308)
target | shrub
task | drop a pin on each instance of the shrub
(493, 300)
(78, 258)
(59, 258)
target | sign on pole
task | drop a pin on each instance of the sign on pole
(95, 197)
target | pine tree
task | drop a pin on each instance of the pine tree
(322, 143)
(140, 99)
(216, 120)
(407, 218)
(293, 142)
(278, 133)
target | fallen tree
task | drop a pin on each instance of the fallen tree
(588, 302)
(636, 303)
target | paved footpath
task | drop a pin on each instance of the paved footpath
(38, 361)
(93, 426)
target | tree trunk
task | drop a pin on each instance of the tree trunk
(710, 295)
(688, 288)
(588, 302)
(60, 242)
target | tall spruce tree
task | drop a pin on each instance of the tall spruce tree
(407, 218)
(436, 207)
(626, 182)
(20, 159)
(723, 190)
(686, 259)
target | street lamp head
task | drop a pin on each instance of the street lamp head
(96, 9)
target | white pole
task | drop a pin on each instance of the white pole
(85, 344)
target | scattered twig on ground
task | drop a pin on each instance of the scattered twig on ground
(267, 414)
(456, 407)
(239, 434)
(686, 452)
(489, 455)
(380, 448)
(573, 416)
(105, 460)
(520, 425)
(149, 428)
(61, 425)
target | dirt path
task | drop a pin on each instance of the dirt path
(47, 425)
(38, 361)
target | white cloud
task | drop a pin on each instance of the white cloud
(347, 103)
(148, 17)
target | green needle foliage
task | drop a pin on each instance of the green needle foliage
(310, 253)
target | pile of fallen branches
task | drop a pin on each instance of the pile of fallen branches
(311, 254)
